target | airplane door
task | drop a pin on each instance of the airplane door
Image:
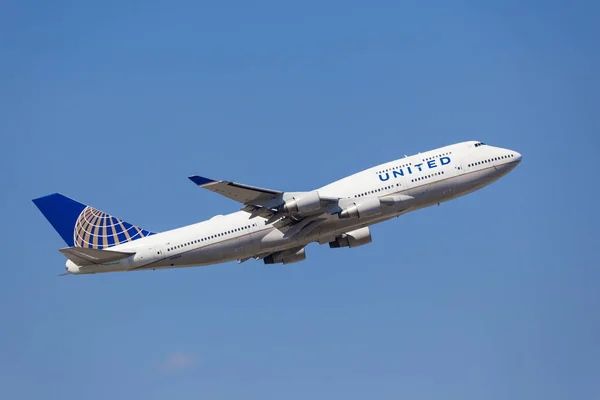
(251, 242)
(449, 186)
(152, 253)
(159, 251)
(244, 243)
(458, 168)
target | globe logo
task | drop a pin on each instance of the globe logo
(98, 230)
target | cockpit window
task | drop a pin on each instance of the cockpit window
(479, 144)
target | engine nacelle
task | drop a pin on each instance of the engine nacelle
(285, 257)
(302, 203)
(352, 239)
(361, 209)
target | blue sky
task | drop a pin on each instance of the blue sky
(494, 295)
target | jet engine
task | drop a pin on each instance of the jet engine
(302, 203)
(285, 257)
(354, 238)
(366, 207)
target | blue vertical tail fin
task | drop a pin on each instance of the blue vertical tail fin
(84, 226)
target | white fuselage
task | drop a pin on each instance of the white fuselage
(426, 179)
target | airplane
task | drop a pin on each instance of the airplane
(272, 225)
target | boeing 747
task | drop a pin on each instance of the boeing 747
(272, 225)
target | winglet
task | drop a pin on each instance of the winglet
(200, 180)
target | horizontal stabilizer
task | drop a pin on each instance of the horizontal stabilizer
(84, 256)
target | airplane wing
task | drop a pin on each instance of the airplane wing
(245, 194)
(262, 202)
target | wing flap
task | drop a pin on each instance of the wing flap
(84, 256)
